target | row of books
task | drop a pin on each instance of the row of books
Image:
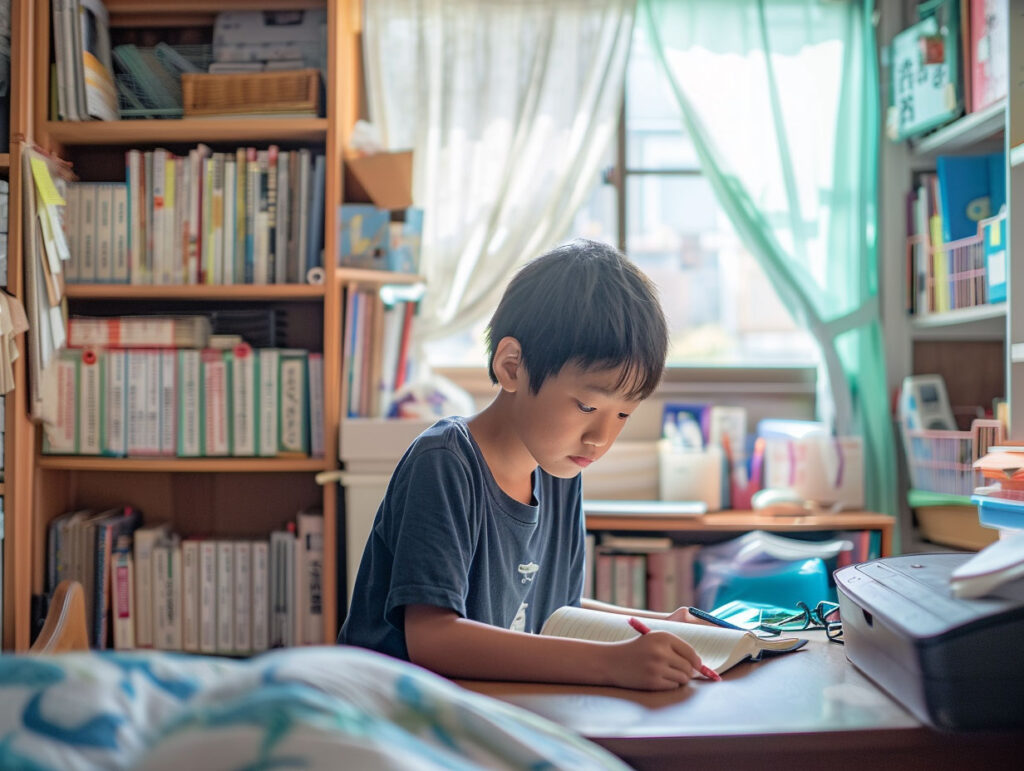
(84, 71)
(254, 216)
(653, 572)
(956, 246)
(642, 572)
(146, 587)
(378, 356)
(266, 402)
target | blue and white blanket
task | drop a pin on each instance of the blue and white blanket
(327, 707)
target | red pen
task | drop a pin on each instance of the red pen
(705, 670)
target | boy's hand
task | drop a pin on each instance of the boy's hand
(656, 661)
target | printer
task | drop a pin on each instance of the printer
(954, 663)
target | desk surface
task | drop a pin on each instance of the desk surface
(806, 706)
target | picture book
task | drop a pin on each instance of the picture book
(971, 188)
(719, 649)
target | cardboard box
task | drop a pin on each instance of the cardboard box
(383, 179)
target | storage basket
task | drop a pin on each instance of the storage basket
(951, 275)
(287, 91)
(942, 461)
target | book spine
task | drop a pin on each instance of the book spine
(72, 216)
(216, 230)
(87, 233)
(260, 596)
(225, 596)
(168, 402)
(162, 598)
(316, 404)
(243, 597)
(189, 393)
(230, 228)
(190, 595)
(90, 407)
(214, 403)
(151, 431)
(293, 436)
(269, 362)
(104, 233)
(136, 225)
(144, 593)
(243, 401)
(310, 527)
(208, 596)
(61, 436)
(174, 590)
(123, 598)
(121, 270)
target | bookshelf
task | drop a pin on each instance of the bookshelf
(227, 497)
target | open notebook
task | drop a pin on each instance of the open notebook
(717, 647)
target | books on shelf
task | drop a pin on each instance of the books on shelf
(252, 216)
(147, 587)
(139, 332)
(85, 77)
(152, 402)
(377, 351)
(951, 244)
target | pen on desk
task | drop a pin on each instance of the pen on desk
(705, 670)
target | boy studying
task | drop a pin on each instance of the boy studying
(480, 536)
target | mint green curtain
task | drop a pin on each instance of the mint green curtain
(781, 100)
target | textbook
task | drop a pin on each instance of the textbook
(718, 648)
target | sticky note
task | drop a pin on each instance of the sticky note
(44, 183)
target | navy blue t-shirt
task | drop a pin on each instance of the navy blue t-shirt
(447, 535)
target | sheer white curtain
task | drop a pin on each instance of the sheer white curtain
(509, 106)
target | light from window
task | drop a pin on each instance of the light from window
(721, 308)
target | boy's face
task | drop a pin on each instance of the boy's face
(573, 419)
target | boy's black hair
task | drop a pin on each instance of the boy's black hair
(584, 303)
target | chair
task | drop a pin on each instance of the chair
(65, 627)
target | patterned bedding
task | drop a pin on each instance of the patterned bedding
(328, 707)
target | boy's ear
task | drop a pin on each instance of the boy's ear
(508, 364)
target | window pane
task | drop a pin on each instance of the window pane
(719, 304)
(655, 138)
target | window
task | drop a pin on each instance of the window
(661, 211)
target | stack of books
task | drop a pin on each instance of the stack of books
(151, 386)
(147, 587)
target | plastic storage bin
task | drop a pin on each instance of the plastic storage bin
(1003, 511)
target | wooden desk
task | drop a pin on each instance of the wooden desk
(745, 521)
(808, 709)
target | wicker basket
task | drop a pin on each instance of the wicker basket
(287, 91)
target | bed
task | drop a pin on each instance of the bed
(62, 707)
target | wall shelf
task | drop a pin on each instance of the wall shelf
(187, 130)
(1017, 155)
(966, 132)
(960, 316)
(202, 465)
(241, 292)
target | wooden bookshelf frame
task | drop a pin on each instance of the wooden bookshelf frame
(37, 485)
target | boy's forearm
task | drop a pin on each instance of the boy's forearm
(459, 648)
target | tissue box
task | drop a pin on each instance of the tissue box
(364, 236)
(690, 475)
(817, 467)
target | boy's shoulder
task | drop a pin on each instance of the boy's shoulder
(448, 434)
